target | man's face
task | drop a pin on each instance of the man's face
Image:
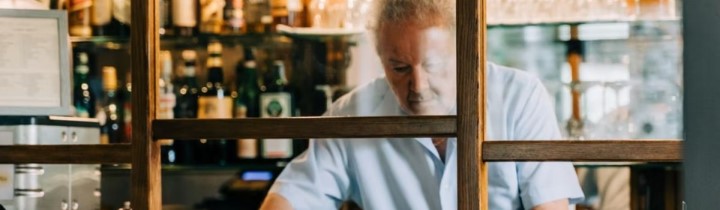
(419, 63)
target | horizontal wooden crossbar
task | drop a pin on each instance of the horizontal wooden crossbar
(306, 127)
(65, 154)
(591, 150)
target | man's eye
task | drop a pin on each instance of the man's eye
(402, 69)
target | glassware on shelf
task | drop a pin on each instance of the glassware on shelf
(580, 128)
(327, 13)
(513, 12)
(616, 118)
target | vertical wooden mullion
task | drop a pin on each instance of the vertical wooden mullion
(146, 184)
(472, 171)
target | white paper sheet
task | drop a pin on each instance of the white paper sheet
(29, 62)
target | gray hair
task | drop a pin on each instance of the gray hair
(430, 12)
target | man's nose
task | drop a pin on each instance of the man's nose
(419, 80)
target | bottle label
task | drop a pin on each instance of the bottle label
(166, 106)
(213, 107)
(101, 12)
(247, 148)
(275, 105)
(127, 121)
(183, 13)
(277, 148)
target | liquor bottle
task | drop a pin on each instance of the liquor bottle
(255, 12)
(186, 106)
(166, 104)
(184, 16)
(287, 12)
(127, 108)
(275, 102)
(79, 17)
(83, 94)
(211, 16)
(234, 20)
(247, 102)
(121, 17)
(215, 103)
(100, 17)
(111, 131)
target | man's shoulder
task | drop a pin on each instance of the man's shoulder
(510, 77)
(509, 85)
(362, 100)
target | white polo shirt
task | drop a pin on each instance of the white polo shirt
(403, 174)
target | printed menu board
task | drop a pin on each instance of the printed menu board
(34, 66)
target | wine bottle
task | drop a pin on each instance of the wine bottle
(186, 106)
(276, 102)
(247, 103)
(112, 128)
(215, 103)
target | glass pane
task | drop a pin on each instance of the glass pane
(628, 84)
(609, 70)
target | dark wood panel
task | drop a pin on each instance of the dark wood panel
(472, 174)
(145, 46)
(306, 127)
(79, 154)
(701, 113)
(595, 150)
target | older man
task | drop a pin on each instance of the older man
(416, 44)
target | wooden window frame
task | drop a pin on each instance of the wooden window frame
(144, 152)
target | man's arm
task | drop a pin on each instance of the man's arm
(274, 201)
(542, 184)
(553, 205)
